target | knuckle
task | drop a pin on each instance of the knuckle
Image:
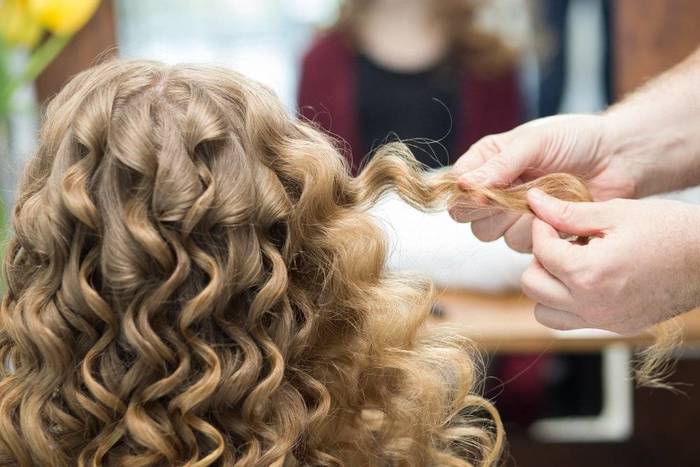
(566, 212)
(480, 151)
(464, 162)
(488, 142)
(498, 163)
(586, 279)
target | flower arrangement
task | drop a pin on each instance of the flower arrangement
(43, 27)
(39, 30)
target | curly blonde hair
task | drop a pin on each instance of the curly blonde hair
(194, 280)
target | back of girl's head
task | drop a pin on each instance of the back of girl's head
(193, 280)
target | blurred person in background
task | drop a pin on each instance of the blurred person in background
(413, 70)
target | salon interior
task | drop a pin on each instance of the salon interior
(567, 398)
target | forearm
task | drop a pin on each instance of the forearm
(655, 131)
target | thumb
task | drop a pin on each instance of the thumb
(503, 168)
(582, 219)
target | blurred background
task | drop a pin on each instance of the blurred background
(438, 75)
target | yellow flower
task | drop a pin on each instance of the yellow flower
(63, 17)
(17, 25)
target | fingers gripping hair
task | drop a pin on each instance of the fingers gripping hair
(394, 168)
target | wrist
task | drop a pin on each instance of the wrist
(621, 157)
(655, 158)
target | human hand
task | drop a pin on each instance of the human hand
(575, 144)
(640, 266)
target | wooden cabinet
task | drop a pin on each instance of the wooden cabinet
(651, 36)
(97, 40)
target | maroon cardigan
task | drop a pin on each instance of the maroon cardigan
(328, 96)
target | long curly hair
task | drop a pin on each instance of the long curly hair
(193, 279)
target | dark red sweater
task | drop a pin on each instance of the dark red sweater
(328, 96)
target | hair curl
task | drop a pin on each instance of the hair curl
(193, 279)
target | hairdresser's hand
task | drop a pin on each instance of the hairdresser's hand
(576, 144)
(641, 265)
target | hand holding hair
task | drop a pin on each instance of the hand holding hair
(641, 265)
(630, 274)
(619, 280)
(574, 144)
(617, 152)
